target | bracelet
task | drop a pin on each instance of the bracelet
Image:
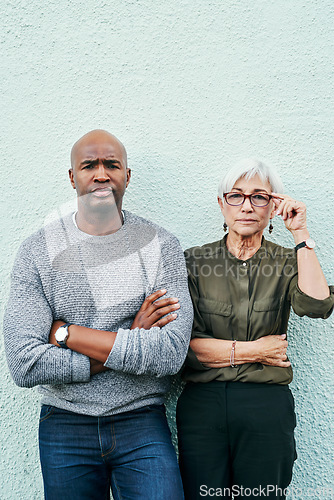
(232, 354)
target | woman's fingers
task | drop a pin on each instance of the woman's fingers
(289, 210)
(277, 199)
(273, 350)
(286, 208)
(282, 364)
(293, 212)
(285, 203)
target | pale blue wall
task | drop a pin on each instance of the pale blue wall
(189, 86)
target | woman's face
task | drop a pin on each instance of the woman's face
(247, 220)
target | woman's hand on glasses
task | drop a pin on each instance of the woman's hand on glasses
(293, 212)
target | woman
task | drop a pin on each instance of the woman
(236, 415)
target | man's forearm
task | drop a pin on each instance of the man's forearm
(96, 344)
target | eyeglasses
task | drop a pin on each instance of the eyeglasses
(257, 199)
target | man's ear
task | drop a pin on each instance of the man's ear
(128, 176)
(70, 174)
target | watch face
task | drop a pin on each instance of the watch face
(310, 243)
(61, 334)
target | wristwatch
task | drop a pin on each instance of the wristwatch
(62, 334)
(309, 243)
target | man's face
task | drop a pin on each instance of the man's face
(99, 172)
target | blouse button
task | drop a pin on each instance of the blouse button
(244, 264)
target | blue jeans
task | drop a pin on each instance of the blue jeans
(82, 457)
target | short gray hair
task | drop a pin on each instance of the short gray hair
(248, 168)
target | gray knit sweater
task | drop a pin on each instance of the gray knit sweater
(98, 282)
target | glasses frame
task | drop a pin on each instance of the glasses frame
(247, 196)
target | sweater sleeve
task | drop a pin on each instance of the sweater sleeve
(159, 351)
(27, 323)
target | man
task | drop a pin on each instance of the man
(83, 322)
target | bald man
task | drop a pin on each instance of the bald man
(99, 317)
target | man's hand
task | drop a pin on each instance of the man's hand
(153, 311)
(271, 350)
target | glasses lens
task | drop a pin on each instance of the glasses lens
(234, 198)
(260, 200)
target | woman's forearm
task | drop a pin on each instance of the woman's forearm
(216, 353)
(311, 279)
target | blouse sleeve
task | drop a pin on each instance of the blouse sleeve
(305, 305)
(198, 329)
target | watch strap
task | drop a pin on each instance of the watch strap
(300, 245)
(308, 243)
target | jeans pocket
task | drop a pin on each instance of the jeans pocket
(46, 412)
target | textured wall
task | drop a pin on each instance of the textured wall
(189, 86)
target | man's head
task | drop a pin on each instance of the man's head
(99, 170)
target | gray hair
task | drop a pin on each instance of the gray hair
(248, 168)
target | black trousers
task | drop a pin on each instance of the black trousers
(236, 439)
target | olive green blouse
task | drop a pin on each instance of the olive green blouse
(245, 300)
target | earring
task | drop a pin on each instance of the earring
(225, 227)
(271, 227)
